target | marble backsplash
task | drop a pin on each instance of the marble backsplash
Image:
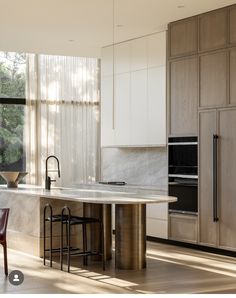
(139, 166)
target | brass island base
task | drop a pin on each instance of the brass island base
(130, 239)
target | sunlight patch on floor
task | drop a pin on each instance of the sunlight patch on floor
(105, 278)
(194, 262)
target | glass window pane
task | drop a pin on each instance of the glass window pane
(12, 156)
(12, 75)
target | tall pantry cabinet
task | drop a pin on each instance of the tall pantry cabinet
(217, 150)
(212, 44)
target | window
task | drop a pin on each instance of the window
(12, 101)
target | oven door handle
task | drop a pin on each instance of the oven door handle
(215, 175)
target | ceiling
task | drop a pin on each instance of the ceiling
(82, 27)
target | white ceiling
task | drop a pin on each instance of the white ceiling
(82, 27)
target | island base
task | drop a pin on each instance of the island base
(130, 239)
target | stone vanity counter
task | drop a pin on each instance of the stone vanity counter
(25, 229)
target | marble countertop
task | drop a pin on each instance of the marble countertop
(150, 189)
(88, 195)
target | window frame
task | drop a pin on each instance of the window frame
(12, 101)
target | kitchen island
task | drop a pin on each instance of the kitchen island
(26, 218)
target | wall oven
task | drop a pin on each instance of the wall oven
(183, 174)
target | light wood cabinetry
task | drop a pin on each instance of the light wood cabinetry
(219, 233)
(183, 96)
(215, 71)
(232, 77)
(183, 37)
(207, 227)
(226, 178)
(136, 116)
(183, 228)
(213, 30)
(213, 79)
(232, 25)
(201, 68)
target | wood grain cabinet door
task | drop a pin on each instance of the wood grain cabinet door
(213, 30)
(232, 25)
(207, 227)
(213, 79)
(183, 37)
(183, 97)
(226, 177)
(232, 78)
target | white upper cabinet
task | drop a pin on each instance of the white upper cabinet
(137, 114)
(138, 54)
(107, 62)
(122, 108)
(107, 132)
(156, 49)
(156, 106)
(138, 119)
(122, 58)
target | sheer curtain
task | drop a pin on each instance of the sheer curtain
(63, 117)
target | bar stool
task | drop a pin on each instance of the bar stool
(84, 221)
(68, 220)
(51, 219)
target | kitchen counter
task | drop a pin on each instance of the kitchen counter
(137, 188)
(99, 196)
(27, 203)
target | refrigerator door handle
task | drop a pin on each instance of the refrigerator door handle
(215, 175)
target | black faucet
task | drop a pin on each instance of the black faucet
(48, 180)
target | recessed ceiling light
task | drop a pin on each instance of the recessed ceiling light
(180, 6)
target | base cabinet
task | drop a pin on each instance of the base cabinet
(183, 227)
(217, 204)
(157, 228)
(157, 220)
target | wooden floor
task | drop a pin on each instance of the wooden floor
(170, 269)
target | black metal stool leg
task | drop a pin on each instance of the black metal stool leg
(68, 246)
(68, 227)
(44, 239)
(44, 234)
(51, 241)
(85, 259)
(61, 245)
(67, 237)
(103, 246)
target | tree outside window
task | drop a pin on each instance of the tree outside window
(12, 100)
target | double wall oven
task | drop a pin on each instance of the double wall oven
(183, 174)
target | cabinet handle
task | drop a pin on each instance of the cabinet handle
(215, 195)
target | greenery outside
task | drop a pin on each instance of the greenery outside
(12, 85)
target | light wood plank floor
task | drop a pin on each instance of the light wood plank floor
(170, 269)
